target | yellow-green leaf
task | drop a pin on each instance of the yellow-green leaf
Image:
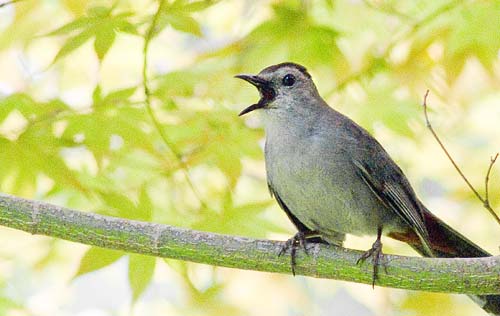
(73, 43)
(103, 41)
(140, 273)
(96, 258)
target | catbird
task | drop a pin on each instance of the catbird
(332, 178)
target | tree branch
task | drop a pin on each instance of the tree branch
(458, 275)
(485, 200)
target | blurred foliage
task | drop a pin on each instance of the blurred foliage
(100, 151)
(99, 23)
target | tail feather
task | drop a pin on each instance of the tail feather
(444, 241)
(448, 243)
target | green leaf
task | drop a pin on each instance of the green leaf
(35, 140)
(394, 112)
(215, 138)
(20, 102)
(118, 118)
(76, 7)
(121, 205)
(140, 273)
(118, 204)
(472, 35)
(120, 95)
(238, 219)
(113, 98)
(145, 206)
(125, 26)
(178, 15)
(99, 12)
(103, 41)
(74, 43)
(292, 34)
(97, 95)
(194, 6)
(71, 26)
(8, 304)
(183, 23)
(228, 160)
(100, 24)
(97, 258)
(330, 4)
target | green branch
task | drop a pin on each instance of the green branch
(460, 275)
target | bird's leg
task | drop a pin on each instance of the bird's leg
(300, 239)
(376, 253)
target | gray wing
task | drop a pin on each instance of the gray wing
(383, 176)
(393, 190)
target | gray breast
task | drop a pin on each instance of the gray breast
(319, 185)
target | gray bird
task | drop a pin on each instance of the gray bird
(332, 178)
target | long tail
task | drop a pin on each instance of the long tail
(448, 243)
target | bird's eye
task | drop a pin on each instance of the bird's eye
(288, 80)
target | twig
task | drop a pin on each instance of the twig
(8, 3)
(487, 180)
(484, 200)
(147, 102)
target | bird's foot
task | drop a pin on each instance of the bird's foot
(300, 239)
(375, 252)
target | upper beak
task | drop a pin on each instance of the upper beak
(255, 80)
(265, 91)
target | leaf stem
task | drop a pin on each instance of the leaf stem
(487, 179)
(9, 3)
(147, 92)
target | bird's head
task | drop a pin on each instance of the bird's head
(281, 86)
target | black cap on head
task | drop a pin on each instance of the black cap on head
(300, 68)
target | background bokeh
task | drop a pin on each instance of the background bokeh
(75, 130)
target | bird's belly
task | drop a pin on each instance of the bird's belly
(326, 197)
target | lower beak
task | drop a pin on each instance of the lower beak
(266, 92)
(251, 108)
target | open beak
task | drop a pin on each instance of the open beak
(267, 93)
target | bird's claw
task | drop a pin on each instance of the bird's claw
(375, 252)
(298, 240)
